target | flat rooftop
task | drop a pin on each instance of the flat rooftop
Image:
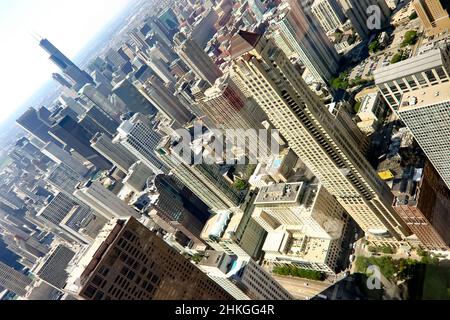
(279, 193)
(425, 97)
(417, 64)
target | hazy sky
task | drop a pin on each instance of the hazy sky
(69, 24)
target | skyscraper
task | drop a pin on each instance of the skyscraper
(58, 155)
(168, 211)
(163, 97)
(79, 77)
(358, 11)
(203, 179)
(103, 202)
(322, 144)
(434, 16)
(130, 262)
(420, 72)
(308, 40)
(243, 278)
(61, 80)
(139, 136)
(52, 269)
(426, 112)
(329, 14)
(196, 59)
(73, 136)
(13, 280)
(114, 152)
(133, 99)
(37, 124)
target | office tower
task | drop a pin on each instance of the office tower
(58, 155)
(115, 59)
(133, 99)
(163, 98)
(228, 108)
(323, 145)
(96, 120)
(90, 92)
(139, 136)
(66, 215)
(420, 72)
(13, 280)
(257, 8)
(205, 180)
(42, 291)
(168, 210)
(329, 14)
(309, 41)
(130, 262)
(304, 207)
(103, 201)
(73, 136)
(238, 234)
(52, 269)
(243, 278)
(158, 64)
(138, 177)
(426, 209)
(359, 13)
(433, 15)
(32, 122)
(114, 152)
(64, 179)
(79, 77)
(61, 80)
(72, 104)
(196, 59)
(426, 113)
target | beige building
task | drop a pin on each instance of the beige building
(434, 16)
(301, 207)
(129, 262)
(325, 146)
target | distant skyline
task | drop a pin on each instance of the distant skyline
(69, 24)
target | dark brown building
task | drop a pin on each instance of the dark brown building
(427, 212)
(130, 262)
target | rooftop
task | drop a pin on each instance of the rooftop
(417, 64)
(280, 193)
(425, 97)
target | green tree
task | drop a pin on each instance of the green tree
(374, 46)
(240, 184)
(410, 38)
(413, 16)
(397, 57)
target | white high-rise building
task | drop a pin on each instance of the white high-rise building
(243, 278)
(304, 207)
(329, 14)
(114, 152)
(426, 112)
(103, 201)
(308, 40)
(139, 136)
(324, 145)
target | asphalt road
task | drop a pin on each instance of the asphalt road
(297, 288)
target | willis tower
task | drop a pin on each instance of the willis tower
(78, 76)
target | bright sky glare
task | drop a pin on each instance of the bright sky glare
(69, 24)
